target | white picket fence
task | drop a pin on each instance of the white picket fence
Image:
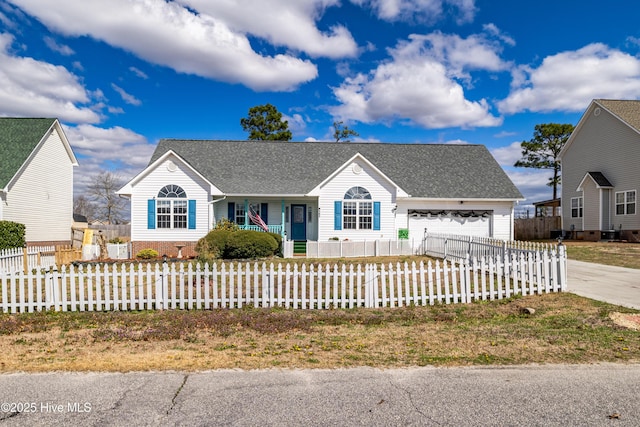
(171, 286)
(455, 246)
(353, 248)
(37, 257)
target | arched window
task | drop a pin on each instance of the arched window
(357, 209)
(171, 207)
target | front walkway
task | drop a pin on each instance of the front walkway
(615, 285)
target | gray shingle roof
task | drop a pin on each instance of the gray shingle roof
(18, 138)
(422, 170)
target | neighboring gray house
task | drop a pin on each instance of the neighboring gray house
(318, 191)
(601, 173)
(36, 178)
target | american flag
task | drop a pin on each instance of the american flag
(255, 218)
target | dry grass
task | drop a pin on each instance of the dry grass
(564, 329)
(610, 253)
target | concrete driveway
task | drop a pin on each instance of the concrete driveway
(615, 285)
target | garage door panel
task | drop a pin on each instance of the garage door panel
(468, 226)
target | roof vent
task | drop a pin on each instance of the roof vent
(596, 112)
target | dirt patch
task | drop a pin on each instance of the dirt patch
(631, 321)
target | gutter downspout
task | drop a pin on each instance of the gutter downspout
(211, 216)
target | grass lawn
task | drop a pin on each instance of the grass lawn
(564, 328)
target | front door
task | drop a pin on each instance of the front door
(298, 223)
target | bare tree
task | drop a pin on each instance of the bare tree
(109, 207)
(84, 207)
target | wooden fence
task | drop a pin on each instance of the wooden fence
(537, 228)
(171, 286)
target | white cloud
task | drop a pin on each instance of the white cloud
(169, 34)
(60, 48)
(420, 84)
(423, 11)
(38, 89)
(283, 23)
(113, 148)
(126, 97)
(532, 183)
(509, 155)
(296, 123)
(139, 73)
(568, 81)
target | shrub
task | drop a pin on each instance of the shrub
(147, 254)
(226, 224)
(245, 244)
(12, 235)
(278, 238)
(213, 245)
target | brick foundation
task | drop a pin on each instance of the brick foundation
(165, 248)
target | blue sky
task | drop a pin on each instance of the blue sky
(121, 74)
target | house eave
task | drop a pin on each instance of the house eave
(460, 199)
(281, 196)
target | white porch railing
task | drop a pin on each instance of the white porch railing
(147, 287)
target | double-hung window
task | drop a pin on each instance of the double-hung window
(357, 209)
(576, 207)
(171, 207)
(626, 202)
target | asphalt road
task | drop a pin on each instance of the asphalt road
(558, 395)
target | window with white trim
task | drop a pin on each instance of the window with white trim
(171, 207)
(239, 214)
(626, 202)
(576, 207)
(357, 209)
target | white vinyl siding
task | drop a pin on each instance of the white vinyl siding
(145, 189)
(42, 196)
(381, 191)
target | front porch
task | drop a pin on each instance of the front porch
(293, 219)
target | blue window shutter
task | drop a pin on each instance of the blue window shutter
(231, 212)
(192, 215)
(264, 212)
(337, 215)
(376, 215)
(151, 214)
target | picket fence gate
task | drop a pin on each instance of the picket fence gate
(171, 286)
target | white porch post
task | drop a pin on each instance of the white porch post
(282, 210)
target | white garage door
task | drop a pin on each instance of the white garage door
(450, 223)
